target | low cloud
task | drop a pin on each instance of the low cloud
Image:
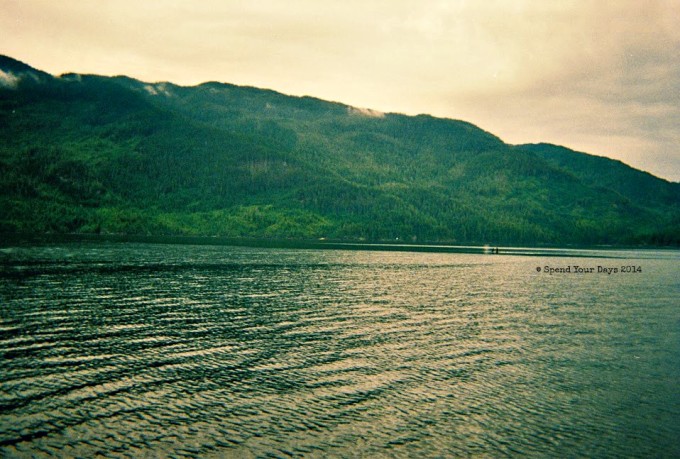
(75, 77)
(9, 80)
(158, 89)
(365, 112)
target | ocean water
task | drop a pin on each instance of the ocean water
(149, 350)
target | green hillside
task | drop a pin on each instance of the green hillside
(92, 154)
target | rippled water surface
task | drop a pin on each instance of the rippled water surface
(142, 350)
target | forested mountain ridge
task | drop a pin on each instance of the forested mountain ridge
(91, 154)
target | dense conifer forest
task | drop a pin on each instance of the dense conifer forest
(113, 155)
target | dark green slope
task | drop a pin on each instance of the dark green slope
(634, 184)
(85, 153)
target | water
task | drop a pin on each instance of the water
(142, 350)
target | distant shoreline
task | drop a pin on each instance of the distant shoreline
(11, 239)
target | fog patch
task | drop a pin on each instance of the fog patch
(365, 112)
(9, 80)
(158, 89)
(75, 77)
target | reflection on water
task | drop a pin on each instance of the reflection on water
(184, 351)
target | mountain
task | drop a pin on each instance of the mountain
(94, 154)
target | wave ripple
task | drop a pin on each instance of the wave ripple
(180, 351)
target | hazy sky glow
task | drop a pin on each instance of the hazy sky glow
(597, 76)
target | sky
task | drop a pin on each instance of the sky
(599, 76)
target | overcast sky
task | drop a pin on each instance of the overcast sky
(600, 76)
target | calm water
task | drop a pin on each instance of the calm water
(144, 350)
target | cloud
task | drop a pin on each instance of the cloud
(74, 77)
(9, 80)
(365, 112)
(158, 89)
